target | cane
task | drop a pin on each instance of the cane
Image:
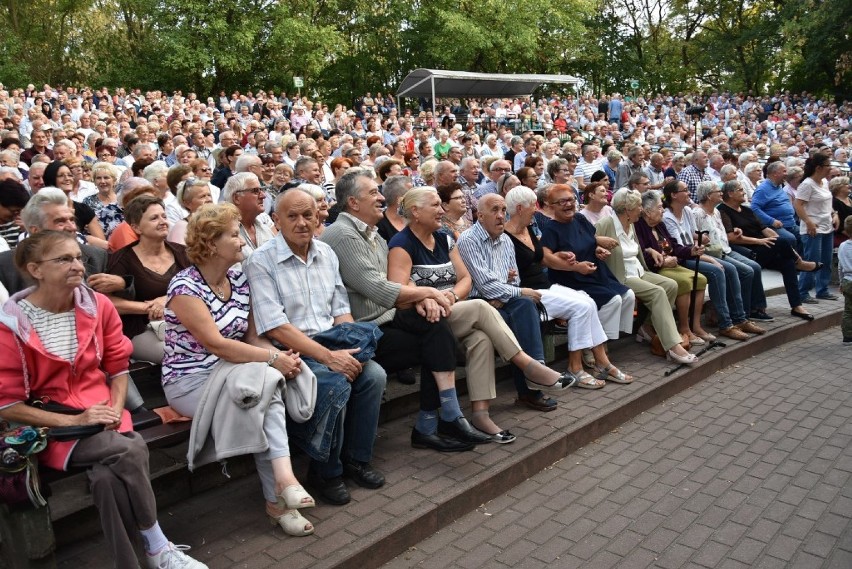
(694, 291)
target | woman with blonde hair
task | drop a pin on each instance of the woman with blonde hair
(105, 202)
(423, 254)
(210, 339)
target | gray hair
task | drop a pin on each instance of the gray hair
(702, 193)
(235, 184)
(347, 185)
(441, 166)
(751, 167)
(105, 167)
(394, 188)
(730, 187)
(520, 195)
(774, 167)
(727, 170)
(651, 199)
(67, 143)
(245, 161)
(794, 172)
(317, 192)
(11, 155)
(635, 178)
(301, 163)
(33, 214)
(625, 199)
(745, 157)
(467, 162)
(614, 155)
(137, 150)
(155, 170)
(836, 183)
(184, 193)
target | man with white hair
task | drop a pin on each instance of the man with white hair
(244, 191)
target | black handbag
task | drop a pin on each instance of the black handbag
(63, 434)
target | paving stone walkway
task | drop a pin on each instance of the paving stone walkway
(750, 468)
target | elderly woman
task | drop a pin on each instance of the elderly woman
(678, 164)
(527, 177)
(201, 170)
(817, 223)
(663, 254)
(392, 221)
(572, 253)
(152, 261)
(427, 173)
(75, 336)
(123, 234)
(454, 206)
(584, 328)
(842, 204)
(722, 277)
(423, 254)
(59, 175)
(282, 176)
(191, 195)
(105, 202)
(208, 325)
(81, 189)
(707, 218)
(627, 262)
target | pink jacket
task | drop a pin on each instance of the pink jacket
(26, 369)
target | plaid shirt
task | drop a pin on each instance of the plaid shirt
(692, 176)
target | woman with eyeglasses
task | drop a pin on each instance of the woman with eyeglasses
(573, 255)
(202, 171)
(452, 201)
(152, 261)
(506, 182)
(75, 336)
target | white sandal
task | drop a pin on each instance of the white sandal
(292, 522)
(296, 497)
(586, 381)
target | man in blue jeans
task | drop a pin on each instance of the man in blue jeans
(297, 292)
(489, 256)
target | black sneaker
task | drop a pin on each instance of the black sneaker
(761, 315)
(847, 341)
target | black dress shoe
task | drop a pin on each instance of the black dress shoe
(363, 474)
(802, 315)
(463, 431)
(407, 376)
(438, 443)
(333, 490)
(538, 401)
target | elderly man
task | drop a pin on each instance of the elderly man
(772, 206)
(256, 228)
(445, 173)
(695, 173)
(297, 293)
(530, 146)
(498, 169)
(633, 165)
(745, 229)
(490, 258)
(411, 337)
(656, 174)
(468, 177)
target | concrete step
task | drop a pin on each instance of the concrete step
(426, 490)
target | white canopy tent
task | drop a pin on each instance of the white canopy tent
(432, 82)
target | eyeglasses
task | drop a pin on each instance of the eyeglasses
(502, 169)
(255, 191)
(563, 202)
(64, 260)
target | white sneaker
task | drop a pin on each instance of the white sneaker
(173, 557)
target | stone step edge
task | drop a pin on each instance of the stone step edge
(393, 539)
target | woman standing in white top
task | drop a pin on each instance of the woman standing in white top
(816, 226)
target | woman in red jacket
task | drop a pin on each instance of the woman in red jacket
(61, 342)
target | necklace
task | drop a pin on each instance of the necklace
(219, 292)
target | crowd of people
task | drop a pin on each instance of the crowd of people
(280, 258)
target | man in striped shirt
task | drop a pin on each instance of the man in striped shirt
(489, 255)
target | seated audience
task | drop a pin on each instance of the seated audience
(426, 256)
(191, 195)
(628, 263)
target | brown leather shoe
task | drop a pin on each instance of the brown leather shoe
(751, 328)
(734, 333)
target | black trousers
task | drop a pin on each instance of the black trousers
(410, 340)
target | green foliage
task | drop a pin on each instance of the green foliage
(343, 48)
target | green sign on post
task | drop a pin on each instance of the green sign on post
(634, 84)
(298, 82)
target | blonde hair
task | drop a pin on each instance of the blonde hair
(415, 197)
(205, 226)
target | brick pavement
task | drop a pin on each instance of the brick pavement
(427, 491)
(750, 468)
